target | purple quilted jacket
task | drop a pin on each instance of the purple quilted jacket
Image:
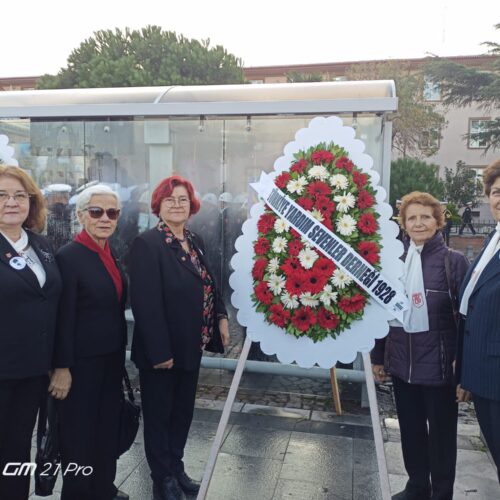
(425, 358)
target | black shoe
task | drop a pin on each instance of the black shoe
(120, 495)
(168, 489)
(188, 485)
(412, 495)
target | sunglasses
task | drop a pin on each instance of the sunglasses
(98, 212)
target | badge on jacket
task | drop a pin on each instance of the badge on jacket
(17, 263)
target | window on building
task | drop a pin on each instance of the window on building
(432, 90)
(477, 125)
(429, 139)
(256, 81)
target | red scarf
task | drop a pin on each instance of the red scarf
(106, 257)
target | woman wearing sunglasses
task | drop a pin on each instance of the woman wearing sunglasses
(29, 292)
(178, 314)
(90, 349)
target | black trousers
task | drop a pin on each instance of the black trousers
(88, 428)
(19, 403)
(168, 398)
(428, 424)
(488, 417)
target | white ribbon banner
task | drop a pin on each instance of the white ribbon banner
(345, 258)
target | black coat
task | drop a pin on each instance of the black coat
(27, 312)
(166, 294)
(426, 357)
(91, 319)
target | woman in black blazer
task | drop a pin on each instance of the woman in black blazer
(178, 313)
(478, 360)
(29, 293)
(90, 350)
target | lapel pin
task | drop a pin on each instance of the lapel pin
(183, 258)
(17, 263)
(8, 255)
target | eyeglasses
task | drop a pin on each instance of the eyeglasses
(19, 197)
(98, 212)
(171, 202)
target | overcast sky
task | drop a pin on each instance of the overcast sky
(37, 36)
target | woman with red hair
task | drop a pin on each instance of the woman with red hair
(178, 314)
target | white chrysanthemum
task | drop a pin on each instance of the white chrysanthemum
(318, 172)
(346, 225)
(309, 300)
(274, 265)
(340, 279)
(279, 244)
(328, 295)
(297, 186)
(345, 202)
(339, 181)
(305, 243)
(289, 302)
(276, 283)
(281, 225)
(317, 214)
(307, 257)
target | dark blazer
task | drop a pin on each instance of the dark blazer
(27, 312)
(479, 356)
(91, 319)
(166, 294)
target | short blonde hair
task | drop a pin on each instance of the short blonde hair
(424, 199)
(37, 215)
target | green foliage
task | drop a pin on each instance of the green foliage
(297, 77)
(146, 57)
(462, 86)
(415, 117)
(461, 185)
(409, 174)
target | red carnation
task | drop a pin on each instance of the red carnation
(324, 205)
(262, 246)
(327, 319)
(369, 251)
(367, 223)
(353, 304)
(295, 282)
(319, 188)
(263, 293)
(279, 315)
(303, 318)
(294, 247)
(324, 266)
(327, 222)
(365, 199)
(345, 163)
(266, 223)
(282, 180)
(294, 233)
(359, 179)
(299, 166)
(321, 156)
(259, 268)
(305, 203)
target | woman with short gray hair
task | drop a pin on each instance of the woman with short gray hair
(90, 349)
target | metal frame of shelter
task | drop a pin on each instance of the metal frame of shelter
(321, 98)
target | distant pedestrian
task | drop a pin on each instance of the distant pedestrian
(467, 219)
(448, 223)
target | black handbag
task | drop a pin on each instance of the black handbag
(130, 416)
(47, 455)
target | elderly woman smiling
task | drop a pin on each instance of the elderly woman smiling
(90, 349)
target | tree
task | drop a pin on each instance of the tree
(462, 86)
(409, 174)
(150, 56)
(297, 77)
(415, 118)
(461, 185)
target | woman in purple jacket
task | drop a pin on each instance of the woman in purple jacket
(419, 353)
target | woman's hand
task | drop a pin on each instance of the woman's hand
(462, 395)
(379, 373)
(166, 365)
(224, 331)
(60, 383)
